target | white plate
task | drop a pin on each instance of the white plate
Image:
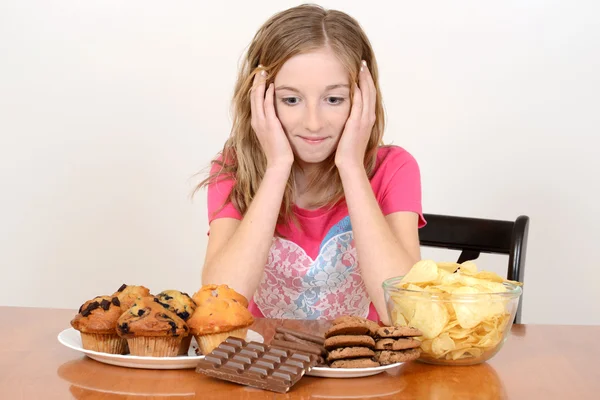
(72, 339)
(325, 372)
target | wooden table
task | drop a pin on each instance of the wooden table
(537, 362)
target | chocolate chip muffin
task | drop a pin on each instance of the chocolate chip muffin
(221, 313)
(181, 304)
(210, 291)
(97, 323)
(151, 329)
(128, 294)
(178, 302)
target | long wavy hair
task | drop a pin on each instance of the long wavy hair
(297, 30)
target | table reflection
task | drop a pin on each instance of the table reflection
(90, 379)
(87, 376)
(372, 387)
(435, 382)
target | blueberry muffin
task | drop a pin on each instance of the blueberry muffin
(221, 313)
(129, 294)
(182, 305)
(96, 321)
(151, 329)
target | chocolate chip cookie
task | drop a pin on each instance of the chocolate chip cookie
(371, 325)
(386, 357)
(355, 363)
(397, 344)
(398, 332)
(335, 342)
(344, 353)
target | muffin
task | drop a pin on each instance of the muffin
(151, 330)
(181, 304)
(220, 313)
(96, 321)
(129, 294)
(208, 291)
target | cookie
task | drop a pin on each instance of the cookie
(397, 344)
(347, 328)
(350, 352)
(355, 363)
(398, 331)
(335, 342)
(386, 357)
(371, 325)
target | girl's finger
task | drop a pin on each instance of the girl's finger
(367, 94)
(258, 94)
(373, 90)
(357, 104)
(269, 103)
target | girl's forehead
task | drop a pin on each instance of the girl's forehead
(316, 68)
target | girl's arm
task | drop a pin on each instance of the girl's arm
(237, 250)
(386, 246)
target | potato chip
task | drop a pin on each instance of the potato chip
(426, 346)
(459, 333)
(405, 306)
(442, 345)
(452, 323)
(450, 267)
(460, 310)
(410, 286)
(490, 276)
(464, 353)
(430, 318)
(468, 267)
(486, 286)
(423, 271)
(398, 318)
(470, 314)
(450, 279)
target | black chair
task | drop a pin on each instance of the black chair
(473, 236)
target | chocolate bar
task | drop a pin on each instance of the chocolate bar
(307, 348)
(301, 335)
(292, 338)
(257, 365)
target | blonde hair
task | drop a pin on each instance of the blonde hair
(298, 30)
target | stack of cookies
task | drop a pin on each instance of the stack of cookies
(397, 344)
(355, 342)
(350, 343)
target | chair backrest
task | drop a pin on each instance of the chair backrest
(473, 236)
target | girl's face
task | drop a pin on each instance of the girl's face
(312, 101)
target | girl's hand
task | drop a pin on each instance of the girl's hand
(353, 143)
(267, 126)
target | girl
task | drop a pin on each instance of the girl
(308, 212)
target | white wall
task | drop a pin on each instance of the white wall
(108, 108)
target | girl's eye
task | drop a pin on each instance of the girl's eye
(290, 101)
(334, 101)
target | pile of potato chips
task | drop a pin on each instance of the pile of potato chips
(454, 327)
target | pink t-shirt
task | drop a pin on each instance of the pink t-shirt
(314, 272)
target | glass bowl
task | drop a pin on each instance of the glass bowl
(458, 329)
